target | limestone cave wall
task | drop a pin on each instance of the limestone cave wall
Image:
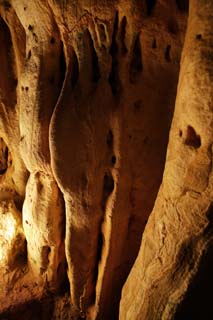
(106, 132)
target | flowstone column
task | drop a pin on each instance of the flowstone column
(179, 230)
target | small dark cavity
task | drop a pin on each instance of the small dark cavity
(123, 35)
(173, 26)
(94, 58)
(30, 27)
(74, 70)
(108, 187)
(199, 36)
(35, 37)
(25, 8)
(150, 6)
(192, 138)
(154, 44)
(136, 65)
(167, 53)
(52, 40)
(26, 88)
(113, 76)
(183, 5)
(180, 133)
(29, 54)
(113, 160)
(22, 88)
(26, 222)
(110, 139)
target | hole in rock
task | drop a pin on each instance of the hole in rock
(183, 5)
(113, 77)
(154, 44)
(109, 139)
(30, 27)
(167, 53)
(52, 40)
(123, 36)
(94, 58)
(150, 6)
(198, 36)
(113, 160)
(136, 65)
(192, 138)
(29, 54)
(35, 37)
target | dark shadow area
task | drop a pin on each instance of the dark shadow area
(197, 304)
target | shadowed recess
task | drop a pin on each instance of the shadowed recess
(192, 138)
(94, 58)
(183, 5)
(74, 69)
(136, 65)
(150, 6)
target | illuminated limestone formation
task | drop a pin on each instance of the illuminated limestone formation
(87, 95)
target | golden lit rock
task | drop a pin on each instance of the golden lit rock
(12, 239)
(105, 159)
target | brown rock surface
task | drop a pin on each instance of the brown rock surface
(87, 94)
(179, 230)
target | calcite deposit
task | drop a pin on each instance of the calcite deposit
(106, 134)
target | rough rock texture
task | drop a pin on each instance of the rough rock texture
(179, 231)
(87, 94)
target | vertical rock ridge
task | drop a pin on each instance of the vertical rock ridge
(87, 95)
